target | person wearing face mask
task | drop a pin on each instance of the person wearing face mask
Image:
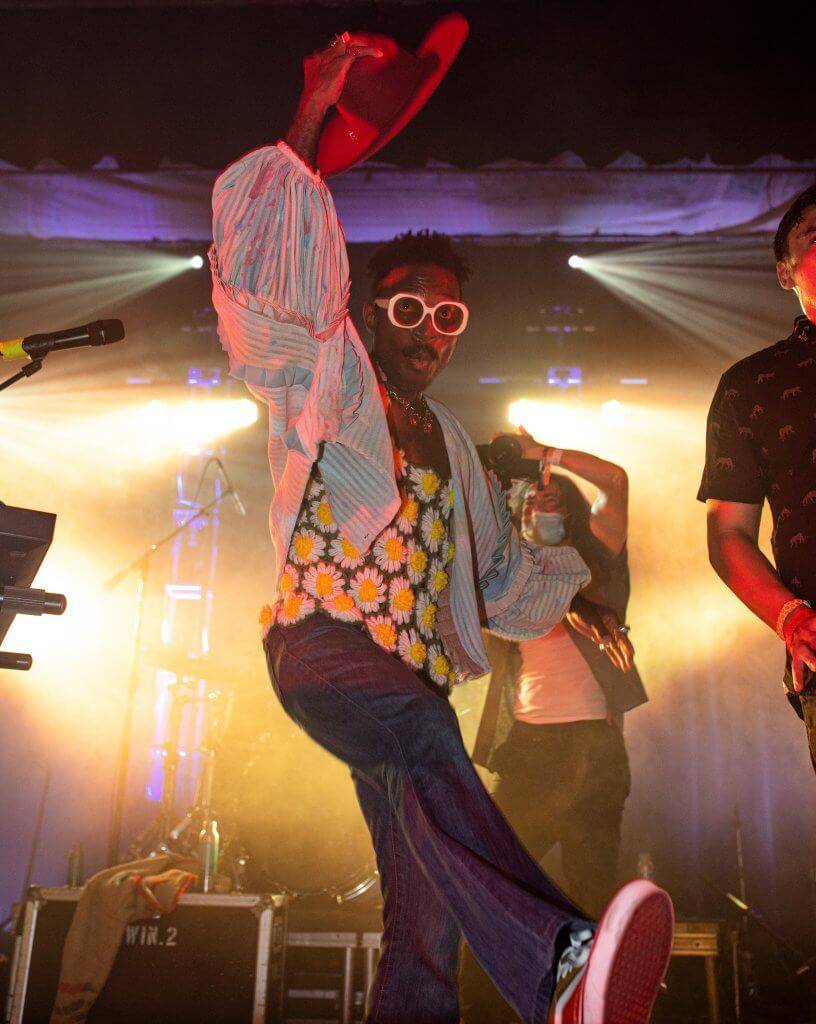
(761, 445)
(551, 729)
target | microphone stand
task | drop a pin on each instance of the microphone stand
(141, 566)
(750, 914)
(35, 844)
(27, 371)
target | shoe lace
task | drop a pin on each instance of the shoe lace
(576, 954)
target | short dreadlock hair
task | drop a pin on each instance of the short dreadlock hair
(794, 215)
(413, 248)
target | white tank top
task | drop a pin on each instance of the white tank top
(555, 683)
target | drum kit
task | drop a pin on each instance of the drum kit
(286, 810)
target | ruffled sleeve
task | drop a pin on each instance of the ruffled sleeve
(526, 589)
(279, 263)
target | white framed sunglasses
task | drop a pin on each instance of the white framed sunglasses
(408, 310)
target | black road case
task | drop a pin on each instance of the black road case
(215, 958)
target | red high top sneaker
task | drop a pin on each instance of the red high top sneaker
(614, 976)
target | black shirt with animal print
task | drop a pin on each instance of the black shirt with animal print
(761, 443)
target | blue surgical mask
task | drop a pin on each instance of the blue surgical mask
(545, 528)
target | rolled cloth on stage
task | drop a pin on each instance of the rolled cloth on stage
(111, 899)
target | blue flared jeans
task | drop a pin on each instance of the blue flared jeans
(449, 863)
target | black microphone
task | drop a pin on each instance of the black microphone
(35, 346)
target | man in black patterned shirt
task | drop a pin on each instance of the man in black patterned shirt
(761, 444)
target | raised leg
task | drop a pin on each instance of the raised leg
(371, 711)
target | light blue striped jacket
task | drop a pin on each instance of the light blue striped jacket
(280, 286)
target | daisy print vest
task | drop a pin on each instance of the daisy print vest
(392, 592)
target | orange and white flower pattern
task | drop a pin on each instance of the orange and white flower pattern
(306, 547)
(266, 618)
(323, 580)
(342, 606)
(426, 482)
(400, 463)
(426, 615)
(321, 515)
(389, 550)
(368, 587)
(345, 554)
(289, 580)
(439, 666)
(437, 578)
(416, 565)
(434, 529)
(294, 608)
(401, 600)
(412, 648)
(408, 514)
(383, 632)
(392, 590)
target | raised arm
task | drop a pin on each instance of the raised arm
(610, 512)
(279, 262)
(324, 75)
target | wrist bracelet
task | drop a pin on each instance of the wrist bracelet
(784, 612)
(792, 623)
(550, 457)
(544, 466)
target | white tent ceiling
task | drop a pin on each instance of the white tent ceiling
(560, 199)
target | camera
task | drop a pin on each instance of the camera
(503, 456)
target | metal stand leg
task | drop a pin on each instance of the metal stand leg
(735, 971)
(123, 757)
(368, 979)
(711, 987)
(348, 984)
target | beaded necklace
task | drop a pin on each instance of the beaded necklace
(416, 410)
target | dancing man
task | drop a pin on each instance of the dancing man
(761, 444)
(552, 720)
(391, 544)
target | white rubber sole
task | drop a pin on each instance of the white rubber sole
(629, 957)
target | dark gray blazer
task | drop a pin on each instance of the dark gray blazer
(623, 690)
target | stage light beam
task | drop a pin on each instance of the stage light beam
(613, 413)
(576, 262)
(563, 424)
(194, 424)
(46, 287)
(197, 262)
(716, 296)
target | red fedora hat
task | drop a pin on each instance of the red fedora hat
(382, 94)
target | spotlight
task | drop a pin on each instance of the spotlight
(612, 413)
(554, 422)
(576, 262)
(197, 262)
(193, 425)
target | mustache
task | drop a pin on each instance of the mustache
(419, 349)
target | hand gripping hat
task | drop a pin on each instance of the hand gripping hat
(382, 94)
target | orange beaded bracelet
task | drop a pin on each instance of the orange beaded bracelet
(784, 612)
(793, 622)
